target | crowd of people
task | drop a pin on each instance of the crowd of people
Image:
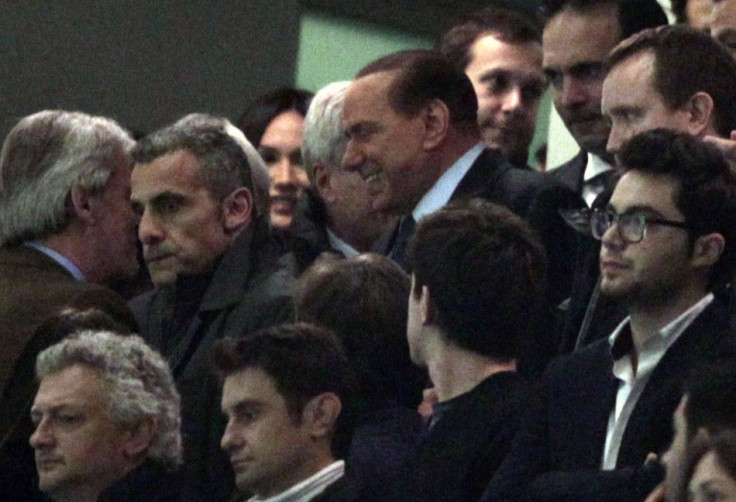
(367, 294)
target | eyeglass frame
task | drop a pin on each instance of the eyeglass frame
(613, 218)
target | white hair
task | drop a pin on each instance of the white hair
(43, 157)
(323, 140)
(138, 381)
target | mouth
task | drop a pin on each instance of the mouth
(239, 464)
(47, 463)
(283, 204)
(610, 265)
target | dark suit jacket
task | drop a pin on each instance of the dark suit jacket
(250, 289)
(457, 457)
(571, 172)
(33, 287)
(561, 446)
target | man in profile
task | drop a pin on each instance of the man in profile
(216, 269)
(107, 421)
(287, 397)
(500, 50)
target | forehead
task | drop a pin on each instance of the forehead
(252, 385)
(580, 36)
(368, 93)
(637, 189)
(76, 385)
(285, 129)
(630, 77)
(491, 52)
(176, 172)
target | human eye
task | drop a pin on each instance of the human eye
(498, 83)
(589, 71)
(168, 204)
(269, 155)
(67, 418)
(554, 77)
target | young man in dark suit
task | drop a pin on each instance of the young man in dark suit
(667, 243)
(477, 284)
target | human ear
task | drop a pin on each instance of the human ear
(80, 204)
(237, 209)
(708, 249)
(700, 113)
(139, 437)
(323, 182)
(320, 414)
(436, 119)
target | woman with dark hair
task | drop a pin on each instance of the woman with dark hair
(274, 124)
(711, 468)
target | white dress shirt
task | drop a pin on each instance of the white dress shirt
(309, 488)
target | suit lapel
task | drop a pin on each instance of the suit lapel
(485, 172)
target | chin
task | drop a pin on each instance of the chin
(281, 221)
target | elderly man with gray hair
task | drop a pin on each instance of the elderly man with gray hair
(338, 216)
(107, 421)
(217, 271)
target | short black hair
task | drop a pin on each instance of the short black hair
(425, 75)
(256, 118)
(633, 15)
(687, 61)
(711, 397)
(364, 301)
(304, 361)
(507, 24)
(707, 185)
(485, 270)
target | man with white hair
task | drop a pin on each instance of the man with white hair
(202, 221)
(338, 216)
(107, 421)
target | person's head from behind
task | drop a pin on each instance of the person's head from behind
(478, 276)
(287, 399)
(710, 473)
(67, 175)
(106, 403)
(364, 301)
(674, 77)
(346, 198)
(668, 231)
(500, 49)
(401, 115)
(274, 123)
(195, 188)
(577, 37)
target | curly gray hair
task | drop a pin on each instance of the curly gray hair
(138, 380)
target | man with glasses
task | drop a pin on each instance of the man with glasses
(667, 243)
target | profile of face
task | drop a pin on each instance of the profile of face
(711, 481)
(386, 148)
(633, 105)
(280, 148)
(508, 81)
(183, 229)
(270, 450)
(575, 45)
(660, 266)
(112, 226)
(723, 23)
(79, 448)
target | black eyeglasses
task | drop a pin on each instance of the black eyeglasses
(632, 227)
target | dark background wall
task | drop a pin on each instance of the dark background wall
(144, 63)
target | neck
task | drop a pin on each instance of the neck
(455, 371)
(68, 245)
(82, 494)
(648, 318)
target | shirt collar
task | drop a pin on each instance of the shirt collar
(595, 166)
(442, 190)
(621, 340)
(340, 245)
(58, 258)
(310, 487)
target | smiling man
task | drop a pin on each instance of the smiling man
(413, 136)
(211, 257)
(667, 242)
(287, 397)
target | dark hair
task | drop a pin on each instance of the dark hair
(364, 300)
(679, 9)
(507, 24)
(256, 118)
(707, 186)
(633, 15)
(722, 445)
(711, 398)
(687, 61)
(485, 271)
(423, 76)
(304, 361)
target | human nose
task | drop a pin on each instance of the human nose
(572, 91)
(149, 230)
(230, 438)
(611, 237)
(284, 172)
(352, 158)
(42, 435)
(513, 99)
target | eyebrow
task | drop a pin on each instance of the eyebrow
(641, 208)
(243, 405)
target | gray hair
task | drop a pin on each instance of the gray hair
(138, 381)
(227, 159)
(323, 141)
(43, 157)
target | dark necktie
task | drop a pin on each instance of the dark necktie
(399, 250)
